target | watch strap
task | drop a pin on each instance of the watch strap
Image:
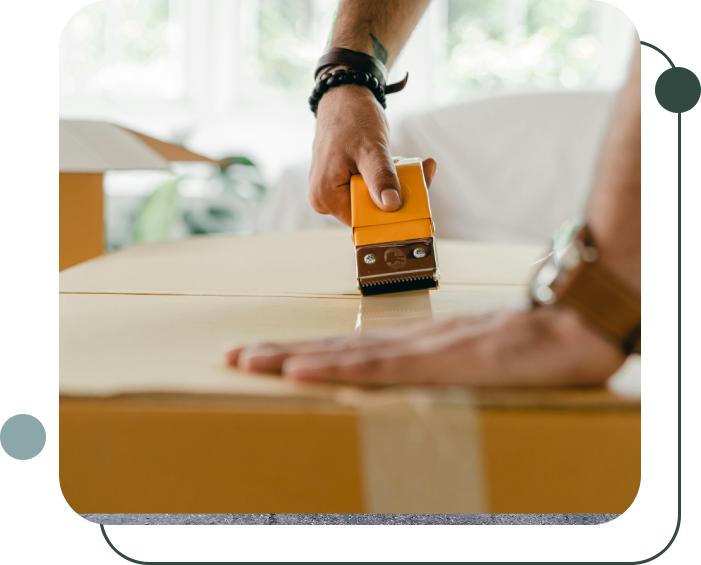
(600, 297)
(359, 62)
(604, 302)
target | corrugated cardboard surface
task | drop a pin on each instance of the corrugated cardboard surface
(81, 226)
(308, 263)
(177, 456)
(152, 421)
(119, 344)
(561, 461)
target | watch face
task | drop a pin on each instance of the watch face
(540, 289)
(564, 236)
(564, 257)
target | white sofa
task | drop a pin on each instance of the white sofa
(510, 167)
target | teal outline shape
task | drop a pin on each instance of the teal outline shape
(659, 51)
(679, 322)
(104, 534)
(679, 377)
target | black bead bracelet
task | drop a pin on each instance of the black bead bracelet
(342, 76)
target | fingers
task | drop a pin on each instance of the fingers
(329, 187)
(421, 360)
(334, 200)
(326, 197)
(377, 168)
(430, 167)
(527, 348)
(271, 357)
(371, 366)
(232, 354)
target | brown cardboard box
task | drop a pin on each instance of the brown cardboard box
(86, 150)
(152, 421)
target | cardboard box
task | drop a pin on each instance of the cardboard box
(152, 421)
(86, 150)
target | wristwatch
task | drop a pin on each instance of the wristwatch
(571, 275)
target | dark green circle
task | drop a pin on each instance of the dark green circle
(678, 90)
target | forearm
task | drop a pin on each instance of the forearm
(377, 27)
(614, 211)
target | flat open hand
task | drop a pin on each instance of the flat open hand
(541, 347)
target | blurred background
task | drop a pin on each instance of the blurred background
(512, 97)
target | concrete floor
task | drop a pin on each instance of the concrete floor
(359, 519)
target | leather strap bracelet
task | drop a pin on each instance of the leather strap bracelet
(365, 70)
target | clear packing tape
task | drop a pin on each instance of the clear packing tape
(420, 452)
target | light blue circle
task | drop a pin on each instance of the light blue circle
(23, 437)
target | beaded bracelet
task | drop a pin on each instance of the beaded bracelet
(341, 76)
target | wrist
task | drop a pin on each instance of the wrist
(619, 255)
(351, 67)
(347, 104)
(344, 93)
(357, 83)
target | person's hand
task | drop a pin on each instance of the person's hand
(541, 347)
(352, 136)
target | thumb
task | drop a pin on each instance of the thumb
(380, 176)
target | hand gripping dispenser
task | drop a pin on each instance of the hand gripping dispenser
(394, 251)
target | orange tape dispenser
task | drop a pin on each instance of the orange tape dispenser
(394, 251)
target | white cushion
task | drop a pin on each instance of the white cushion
(510, 167)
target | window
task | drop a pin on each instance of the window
(232, 77)
(541, 43)
(291, 34)
(157, 49)
(126, 48)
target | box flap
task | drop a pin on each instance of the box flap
(95, 147)
(173, 153)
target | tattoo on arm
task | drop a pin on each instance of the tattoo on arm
(379, 49)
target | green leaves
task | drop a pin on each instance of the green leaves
(225, 200)
(226, 162)
(159, 213)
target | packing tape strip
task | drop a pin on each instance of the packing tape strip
(420, 452)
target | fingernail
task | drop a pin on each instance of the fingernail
(232, 356)
(231, 352)
(298, 369)
(390, 197)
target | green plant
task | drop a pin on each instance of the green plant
(155, 220)
(227, 203)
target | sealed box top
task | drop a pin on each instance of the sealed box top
(364, 212)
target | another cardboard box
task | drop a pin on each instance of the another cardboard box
(87, 149)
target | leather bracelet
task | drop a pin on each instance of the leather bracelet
(340, 77)
(366, 71)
